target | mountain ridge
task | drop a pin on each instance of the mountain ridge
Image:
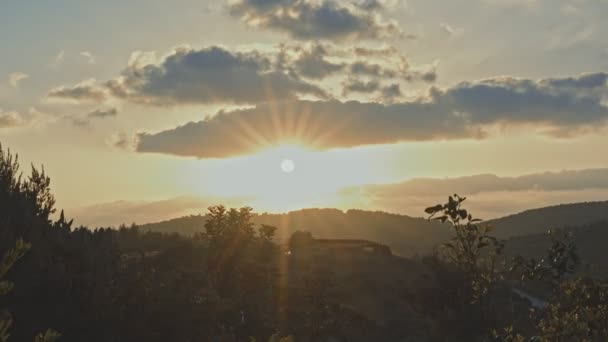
(405, 235)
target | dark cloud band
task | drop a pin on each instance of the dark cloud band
(459, 112)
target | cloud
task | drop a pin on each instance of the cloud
(464, 111)
(447, 28)
(88, 56)
(99, 114)
(15, 78)
(364, 68)
(85, 91)
(489, 196)
(325, 124)
(428, 76)
(450, 30)
(58, 59)
(103, 113)
(313, 20)
(10, 119)
(512, 3)
(386, 52)
(399, 70)
(390, 92)
(208, 75)
(217, 75)
(485, 205)
(312, 63)
(24, 117)
(320, 60)
(562, 103)
(62, 57)
(123, 141)
(370, 5)
(471, 185)
(358, 86)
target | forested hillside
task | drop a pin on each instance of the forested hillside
(539, 220)
(407, 236)
(231, 282)
(590, 241)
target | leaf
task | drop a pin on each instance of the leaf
(48, 336)
(5, 287)
(433, 209)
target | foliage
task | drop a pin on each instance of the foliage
(276, 338)
(267, 232)
(9, 259)
(472, 249)
(508, 334)
(30, 197)
(47, 336)
(578, 311)
(561, 260)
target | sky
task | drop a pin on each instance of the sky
(145, 110)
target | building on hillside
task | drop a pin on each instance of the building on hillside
(304, 244)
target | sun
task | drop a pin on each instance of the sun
(286, 177)
(288, 165)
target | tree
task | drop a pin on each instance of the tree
(27, 201)
(267, 232)
(577, 309)
(8, 261)
(472, 249)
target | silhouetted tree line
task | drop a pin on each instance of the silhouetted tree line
(123, 285)
(231, 282)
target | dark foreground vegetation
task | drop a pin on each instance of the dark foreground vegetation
(230, 281)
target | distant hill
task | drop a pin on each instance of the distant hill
(540, 220)
(590, 241)
(405, 235)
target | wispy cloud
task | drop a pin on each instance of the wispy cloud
(16, 77)
(58, 59)
(86, 90)
(489, 196)
(98, 114)
(88, 56)
(10, 119)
